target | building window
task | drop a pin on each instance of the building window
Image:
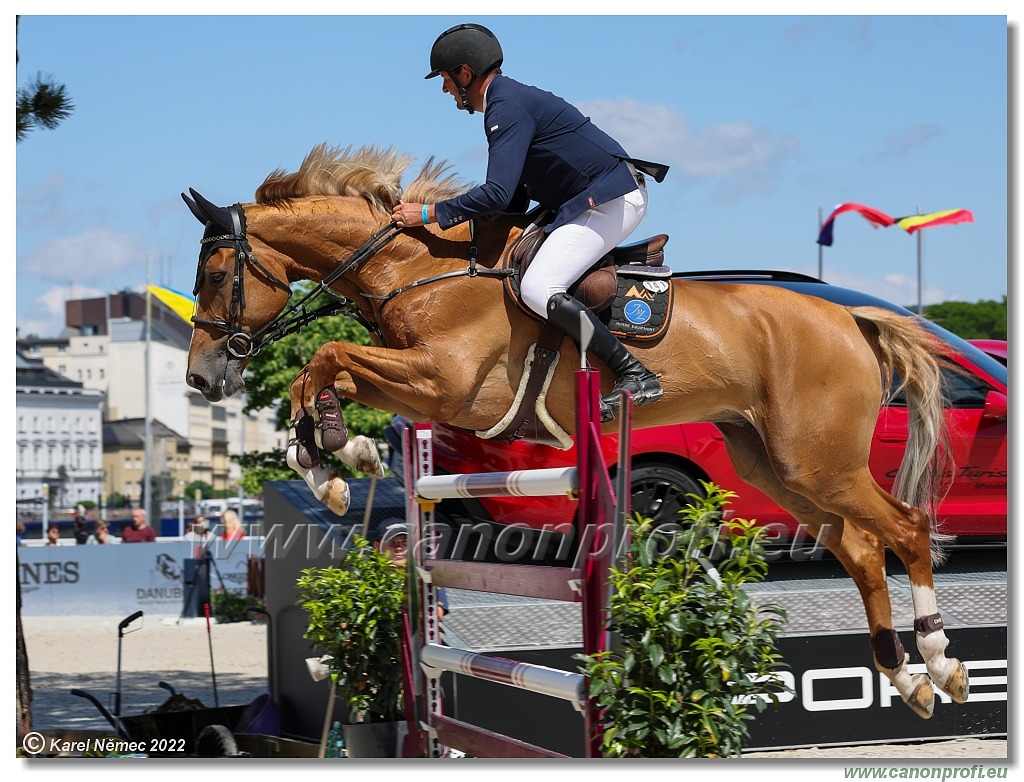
(103, 373)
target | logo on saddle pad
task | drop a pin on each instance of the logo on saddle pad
(641, 306)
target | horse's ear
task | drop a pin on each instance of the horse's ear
(193, 207)
(211, 213)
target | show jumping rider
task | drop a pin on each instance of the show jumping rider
(542, 148)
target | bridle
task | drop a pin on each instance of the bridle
(241, 344)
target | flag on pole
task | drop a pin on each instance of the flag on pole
(180, 303)
(873, 216)
(949, 217)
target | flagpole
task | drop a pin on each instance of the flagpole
(147, 500)
(821, 248)
(920, 266)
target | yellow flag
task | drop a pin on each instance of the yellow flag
(181, 304)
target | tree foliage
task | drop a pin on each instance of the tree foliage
(981, 320)
(43, 102)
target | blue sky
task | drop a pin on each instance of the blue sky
(765, 122)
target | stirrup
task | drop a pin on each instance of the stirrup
(644, 387)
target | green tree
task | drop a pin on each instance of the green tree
(43, 102)
(982, 320)
(205, 490)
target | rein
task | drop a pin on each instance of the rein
(470, 271)
(241, 344)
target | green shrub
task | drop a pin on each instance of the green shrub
(690, 645)
(228, 607)
(355, 616)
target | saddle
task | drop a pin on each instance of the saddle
(629, 289)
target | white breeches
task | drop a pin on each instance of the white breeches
(573, 248)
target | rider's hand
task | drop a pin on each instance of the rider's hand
(407, 215)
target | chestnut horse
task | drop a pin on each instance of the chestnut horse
(793, 382)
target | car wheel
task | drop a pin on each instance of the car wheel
(659, 491)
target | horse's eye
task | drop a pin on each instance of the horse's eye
(217, 278)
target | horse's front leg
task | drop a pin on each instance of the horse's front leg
(303, 455)
(409, 382)
(359, 452)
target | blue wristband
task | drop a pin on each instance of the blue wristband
(425, 216)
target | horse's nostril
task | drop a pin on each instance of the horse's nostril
(197, 381)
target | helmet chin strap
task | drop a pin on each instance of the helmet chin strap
(464, 96)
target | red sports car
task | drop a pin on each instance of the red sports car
(670, 461)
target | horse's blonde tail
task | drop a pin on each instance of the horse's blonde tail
(907, 359)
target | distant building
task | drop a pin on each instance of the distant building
(103, 347)
(124, 458)
(59, 437)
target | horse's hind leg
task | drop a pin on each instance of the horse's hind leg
(861, 554)
(909, 537)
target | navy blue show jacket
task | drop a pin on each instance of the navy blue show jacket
(541, 145)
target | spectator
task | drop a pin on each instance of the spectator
(53, 535)
(139, 531)
(394, 543)
(198, 531)
(19, 532)
(81, 531)
(232, 526)
(101, 535)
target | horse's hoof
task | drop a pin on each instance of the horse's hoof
(333, 433)
(337, 496)
(306, 454)
(364, 456)
(922, 697)
(957, 685)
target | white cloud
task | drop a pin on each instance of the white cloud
(900, 289)
(736, 157)
(48, 315)
(84, 257)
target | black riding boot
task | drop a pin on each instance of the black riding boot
(630, 375)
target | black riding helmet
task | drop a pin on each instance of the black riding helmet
(465, 44)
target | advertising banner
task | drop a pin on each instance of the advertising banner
(120, 579)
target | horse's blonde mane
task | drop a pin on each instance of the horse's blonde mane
(373, 173)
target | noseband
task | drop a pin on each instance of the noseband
(241, 344)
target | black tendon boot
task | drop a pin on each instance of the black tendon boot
(630, 375)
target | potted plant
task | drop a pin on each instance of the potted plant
(693, 652)
(355, 619)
